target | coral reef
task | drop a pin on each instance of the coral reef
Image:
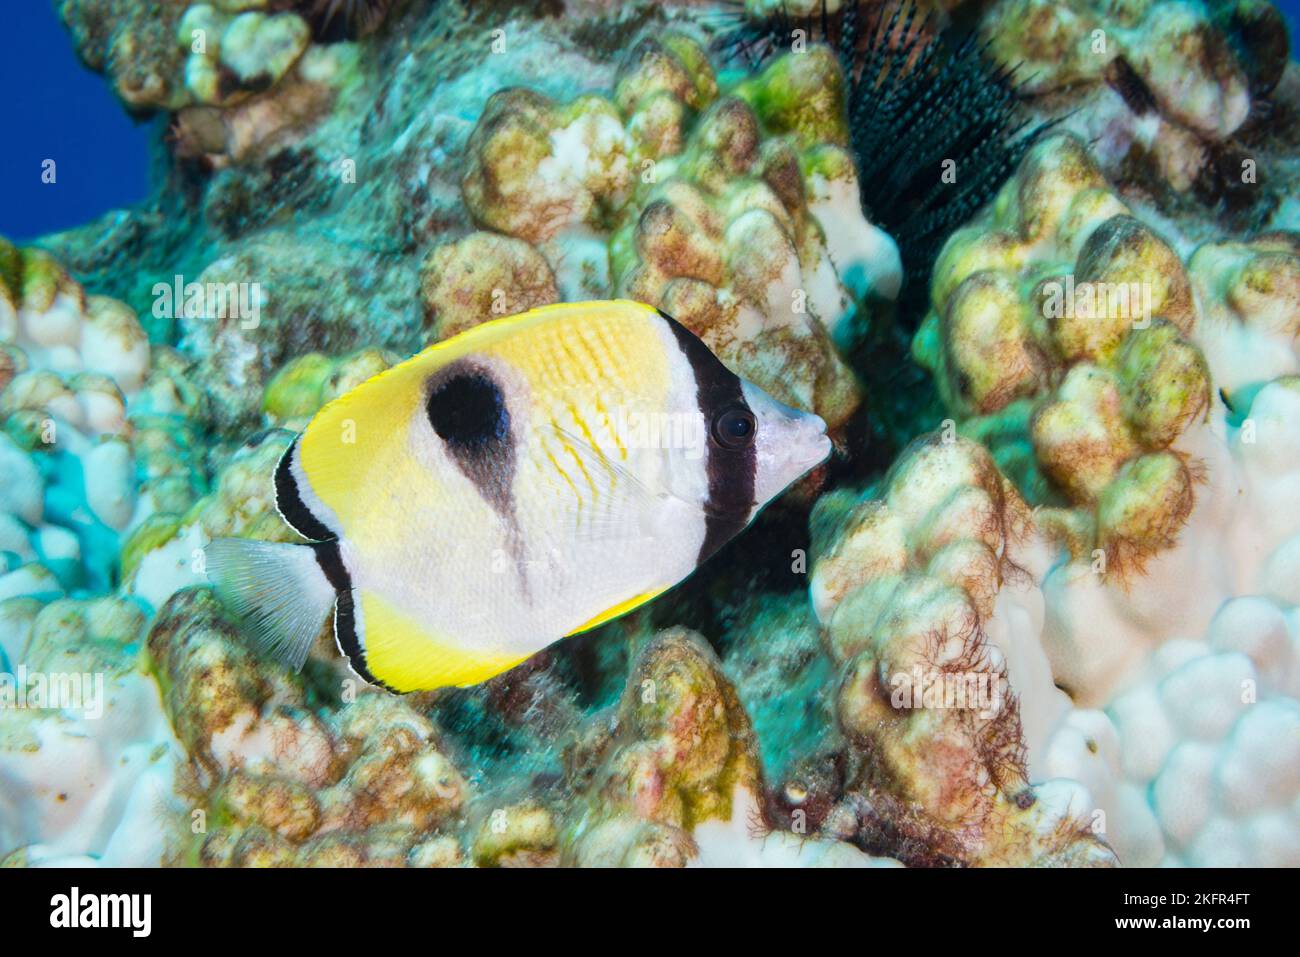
(165, 554)
(178, 54)
(906, 583)
(1212, 784)
(1155, 740)
(233, 55)
(1161, 85)
(481, 276)
(933, 122)
(1040, 609)
(302, 386)
(1157, 442)
(1061, 335)
(1249, 294)
(87, 756)
(277, 783)
(728, 211)
(99, 430)
(671, 777)
(1196, 667)
(263, 323)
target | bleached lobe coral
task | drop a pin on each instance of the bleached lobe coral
(734, 212)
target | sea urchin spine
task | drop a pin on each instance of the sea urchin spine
(933, 121)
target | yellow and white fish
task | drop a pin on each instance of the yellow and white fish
(524, 481)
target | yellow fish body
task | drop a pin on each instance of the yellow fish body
(526, 480)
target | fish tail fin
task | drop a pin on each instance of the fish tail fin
(277, 589)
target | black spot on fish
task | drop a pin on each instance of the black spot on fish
(468, 411)
(730, 470)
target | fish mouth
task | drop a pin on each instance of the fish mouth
(820, 453)
(814, 450)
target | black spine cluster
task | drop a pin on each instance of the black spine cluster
(335, 20)
(918, 96)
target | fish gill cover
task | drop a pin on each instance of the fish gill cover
(1035, 265)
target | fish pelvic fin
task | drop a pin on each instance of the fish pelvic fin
(278, 590)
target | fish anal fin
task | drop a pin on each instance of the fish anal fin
(407, 656)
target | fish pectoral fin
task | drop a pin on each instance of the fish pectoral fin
(604, 499)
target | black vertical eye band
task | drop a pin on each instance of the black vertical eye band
(731, 461)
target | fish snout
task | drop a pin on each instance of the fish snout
(809, 443)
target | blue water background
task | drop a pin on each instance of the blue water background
(57, 109)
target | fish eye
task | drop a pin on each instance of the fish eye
(735, 428)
